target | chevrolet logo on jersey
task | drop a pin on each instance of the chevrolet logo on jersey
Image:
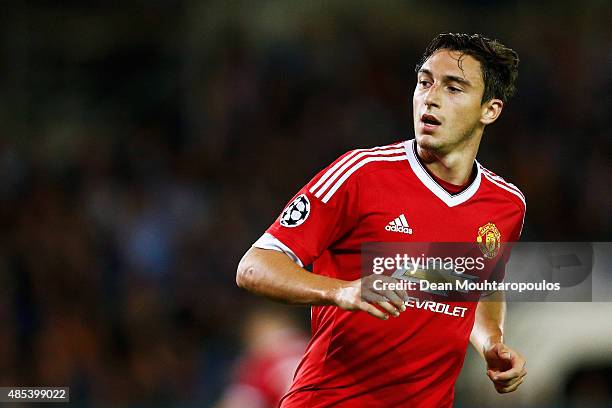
(433, 275)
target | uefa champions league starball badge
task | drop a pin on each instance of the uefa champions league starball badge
(296, 212)
(489, 240)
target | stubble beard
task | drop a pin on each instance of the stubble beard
(440, 146)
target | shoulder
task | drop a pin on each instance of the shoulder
(349, 166)
(504, 188)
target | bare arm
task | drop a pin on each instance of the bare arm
(274, 275)
(489, 322)
(505, 366)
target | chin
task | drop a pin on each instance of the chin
(428, 141)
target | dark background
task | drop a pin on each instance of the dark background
(146, 145)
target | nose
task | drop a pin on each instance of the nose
(432, 97)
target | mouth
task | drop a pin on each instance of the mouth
(429, 122)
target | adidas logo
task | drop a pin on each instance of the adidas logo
(399, 225)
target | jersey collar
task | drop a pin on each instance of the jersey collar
(450, 200)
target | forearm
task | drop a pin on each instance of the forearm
(489, 322)
(272, 274)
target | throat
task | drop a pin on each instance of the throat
(452, 188)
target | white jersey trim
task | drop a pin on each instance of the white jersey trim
(516, 192)
(351, 162)
(493, 176)
(333, 171)
(506, 187)
(449, 199)
(269, 241)
(356, 167)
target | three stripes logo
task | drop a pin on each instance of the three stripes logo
(399, 225)
(338, 174)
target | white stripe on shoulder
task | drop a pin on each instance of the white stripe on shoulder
(501, 180)
(507, 183)
(522, 223)
(356, 167)
(351, 162)
(346, 158)
(505, 187)
(269, 241)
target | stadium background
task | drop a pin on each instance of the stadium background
(146, 145)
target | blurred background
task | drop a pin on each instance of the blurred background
(146, 144)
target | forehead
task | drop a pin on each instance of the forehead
(454, 63)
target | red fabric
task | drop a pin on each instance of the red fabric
(269, 372)
(451, 188)
(353, 359)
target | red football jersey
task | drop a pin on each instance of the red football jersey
(384, 194)
(263, 376)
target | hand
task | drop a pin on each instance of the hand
(505, 367)
(361, 295)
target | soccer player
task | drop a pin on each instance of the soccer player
(367, 349)
(273, 347)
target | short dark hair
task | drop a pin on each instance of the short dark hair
(498, 63)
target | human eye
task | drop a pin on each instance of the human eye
(423, 83)
(454, 89)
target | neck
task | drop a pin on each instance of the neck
(455, 166)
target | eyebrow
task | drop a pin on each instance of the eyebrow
(448, 78)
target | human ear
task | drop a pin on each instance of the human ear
(491, 111)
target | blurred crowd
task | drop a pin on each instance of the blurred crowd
(144, 148)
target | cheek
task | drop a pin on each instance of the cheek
(466, 113)
(415, 99)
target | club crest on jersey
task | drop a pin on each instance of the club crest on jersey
(296, 213)
(489, 240)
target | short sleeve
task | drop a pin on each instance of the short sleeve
(320, 213)
(499, 272)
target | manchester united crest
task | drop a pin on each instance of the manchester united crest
(489, 240)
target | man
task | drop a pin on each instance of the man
(429, 189)
(273, 345)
